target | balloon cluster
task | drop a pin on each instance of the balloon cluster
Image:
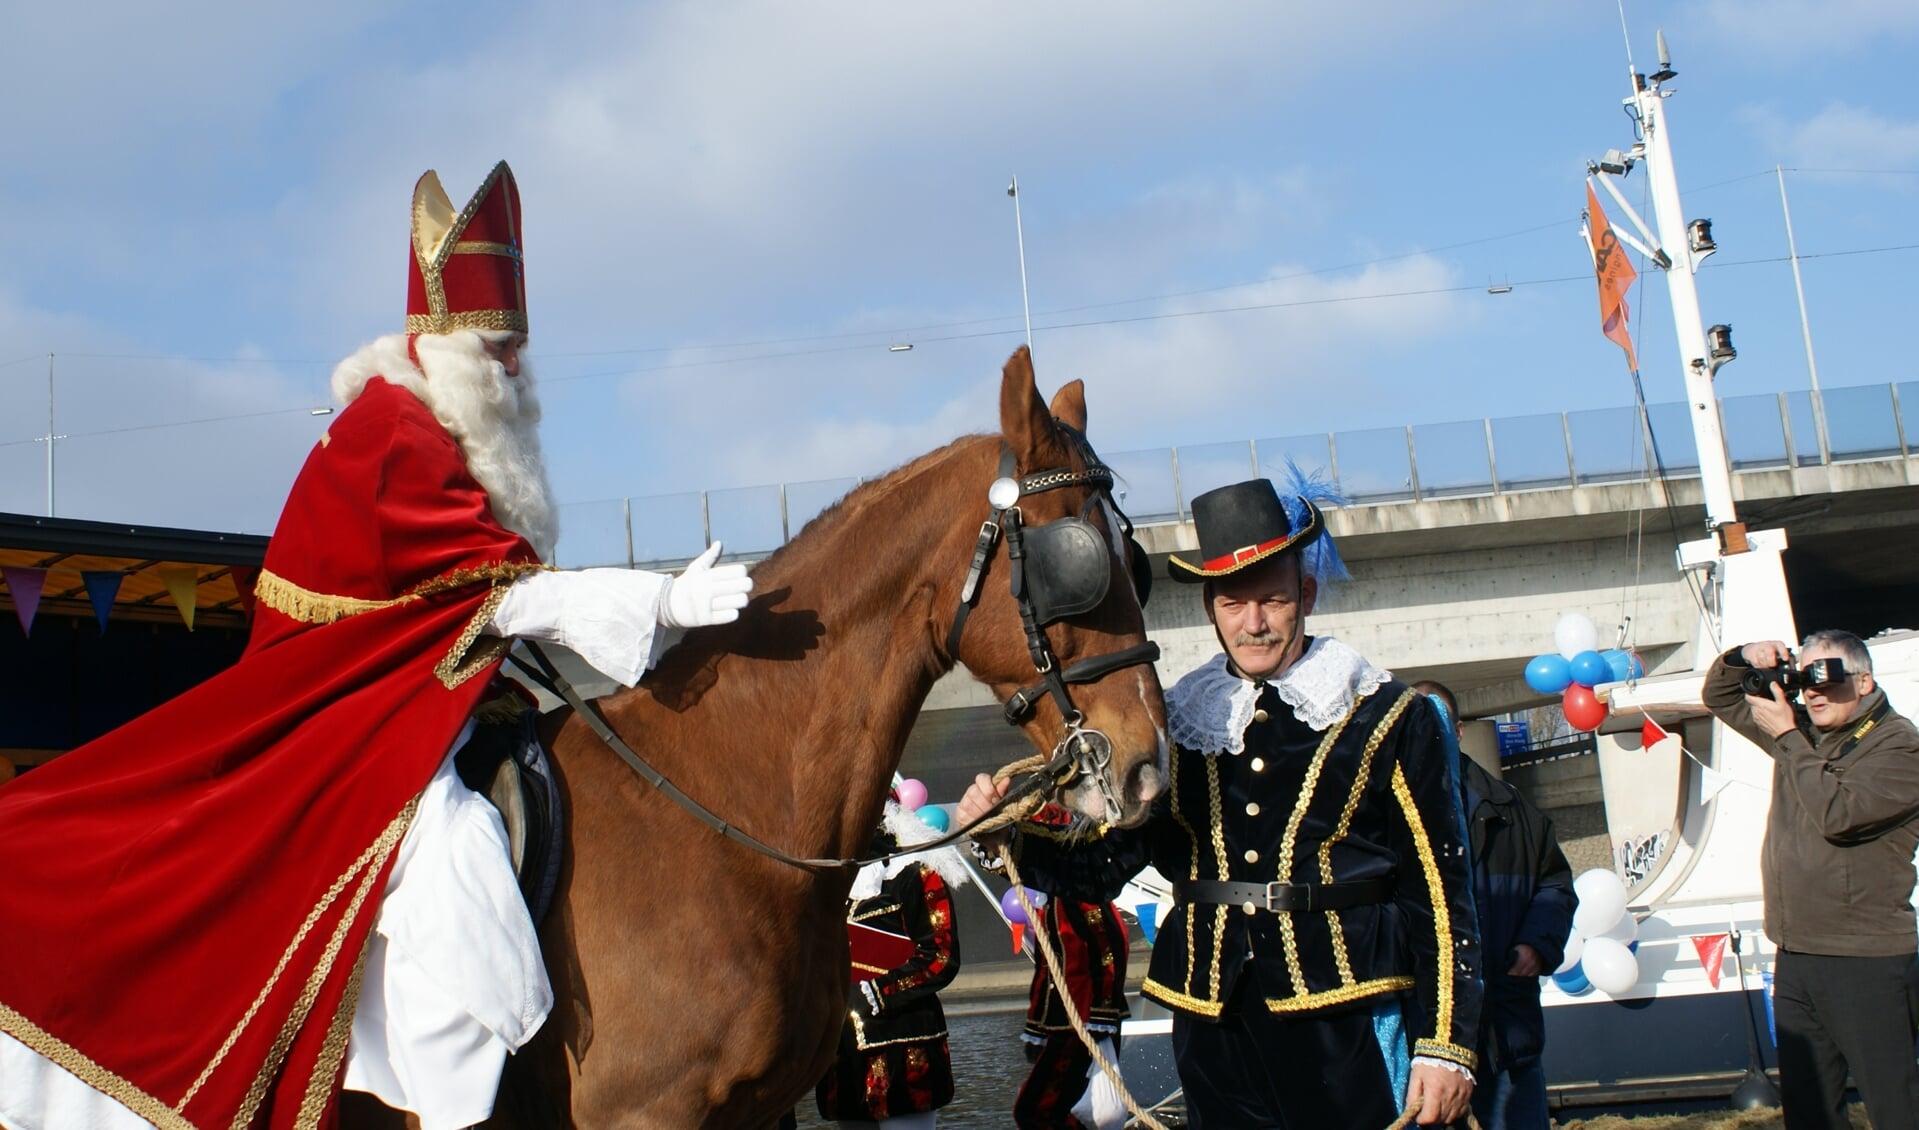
(912, 794)
(1577, 667)
(1601, 953)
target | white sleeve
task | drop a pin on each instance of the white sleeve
(608, 617)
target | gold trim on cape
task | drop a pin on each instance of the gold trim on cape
(309, 607)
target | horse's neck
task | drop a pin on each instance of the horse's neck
(801, 710)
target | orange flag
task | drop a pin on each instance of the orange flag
(1615, 277)
(1019, 935)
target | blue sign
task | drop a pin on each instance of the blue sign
(1514, 737)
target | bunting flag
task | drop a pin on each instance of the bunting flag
(1712, 782)
(243, 581)
(102, 586)
(1148, 914)
(1615, 277)
(183, 584)
(25, 584)
(1712, 953)
(1019, 936)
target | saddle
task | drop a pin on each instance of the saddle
(505, 763)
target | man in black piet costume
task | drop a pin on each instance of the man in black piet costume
(1321, 958)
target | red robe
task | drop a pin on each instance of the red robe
(187, 899)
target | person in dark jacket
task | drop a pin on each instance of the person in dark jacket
(894, 1069)
(1523, 891)
(1837, 874)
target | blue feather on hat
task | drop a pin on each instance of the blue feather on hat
(1321, 558)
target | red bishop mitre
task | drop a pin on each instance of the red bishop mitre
(465, 273)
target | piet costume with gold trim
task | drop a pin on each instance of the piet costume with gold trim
(893, 1058)
(1331, 773)
(184, 929)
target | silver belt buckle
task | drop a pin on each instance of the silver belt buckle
(1272, 896)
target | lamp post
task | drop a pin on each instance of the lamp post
(1019, 230)
(50, 437)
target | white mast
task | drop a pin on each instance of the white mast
(1746, 597)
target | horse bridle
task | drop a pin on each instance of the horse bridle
(1047, 589)
(1080, 751)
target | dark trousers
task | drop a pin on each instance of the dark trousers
(1254, 1070)
(1839, 1013)
(1056, 1083)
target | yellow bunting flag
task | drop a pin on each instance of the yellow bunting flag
(183, 584)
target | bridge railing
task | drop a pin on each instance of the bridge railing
(1371, 467)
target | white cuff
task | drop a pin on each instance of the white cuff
(608, 617)
(1435, 1061)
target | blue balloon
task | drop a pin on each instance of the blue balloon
(1618, 664)
(1589, 669)
(1572, 981)
(934, 816)
(1549, 674)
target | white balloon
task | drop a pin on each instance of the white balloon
(1602, 900)
(1609, 965)
(1575, 633)
(1575, 945)
(1625, 931)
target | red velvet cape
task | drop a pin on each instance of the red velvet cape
(190, 896)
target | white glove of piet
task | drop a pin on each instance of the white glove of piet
(705, 593)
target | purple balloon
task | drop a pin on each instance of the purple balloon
(1009, 905)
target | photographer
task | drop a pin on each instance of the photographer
(1837, 871)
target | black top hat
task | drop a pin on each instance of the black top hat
(1240, 526)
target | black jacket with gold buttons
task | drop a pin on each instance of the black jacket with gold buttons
(1370, 797)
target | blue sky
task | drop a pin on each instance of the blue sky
(206, 207)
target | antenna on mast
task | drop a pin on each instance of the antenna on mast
(1665, 70)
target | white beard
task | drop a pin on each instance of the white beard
(494, 417)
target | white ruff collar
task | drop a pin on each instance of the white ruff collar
(1211, 707)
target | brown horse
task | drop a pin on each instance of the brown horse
(699, 983)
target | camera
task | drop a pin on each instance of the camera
(1758, 681)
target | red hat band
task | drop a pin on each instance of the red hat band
(465, 271)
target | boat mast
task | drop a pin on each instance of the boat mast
(1746, 597)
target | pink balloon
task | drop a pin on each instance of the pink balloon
(912, 793)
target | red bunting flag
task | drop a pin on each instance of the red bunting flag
(1019, 935)
(25, 585)
(1652, 733)
(1615, 277)
(1712, 953)
(243, 582)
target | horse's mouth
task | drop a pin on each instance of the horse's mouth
(1124, 807)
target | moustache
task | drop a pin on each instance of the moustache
(1256, 639)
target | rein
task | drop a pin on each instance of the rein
(543, 672)
(1080, 752)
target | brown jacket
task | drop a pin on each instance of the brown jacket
(1837, 864)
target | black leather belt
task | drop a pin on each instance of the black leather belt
(1287, 896)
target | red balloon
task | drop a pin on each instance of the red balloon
(1583, 709)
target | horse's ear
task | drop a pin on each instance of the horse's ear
(1069, 405)
(1024, 421)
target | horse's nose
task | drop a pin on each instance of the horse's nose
(1146, 784)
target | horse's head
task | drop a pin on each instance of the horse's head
(1049, 613)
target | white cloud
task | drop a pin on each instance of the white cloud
(1843, 136)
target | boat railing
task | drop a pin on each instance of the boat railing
(1370, 467)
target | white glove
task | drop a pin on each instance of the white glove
(705, 594)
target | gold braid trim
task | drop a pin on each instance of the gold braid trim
(327, 1067)
(1440, 1049)
(1288, 936)
(1179, 817)
(375, 859)
(859, 1034)
(1219, 855)
(1436, 892)
(309, 607)
(1360, 781)
(81, 1067)
(1341, 995)
(299, 936)
(464, 659)
(1173, 998)
(875, 913)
